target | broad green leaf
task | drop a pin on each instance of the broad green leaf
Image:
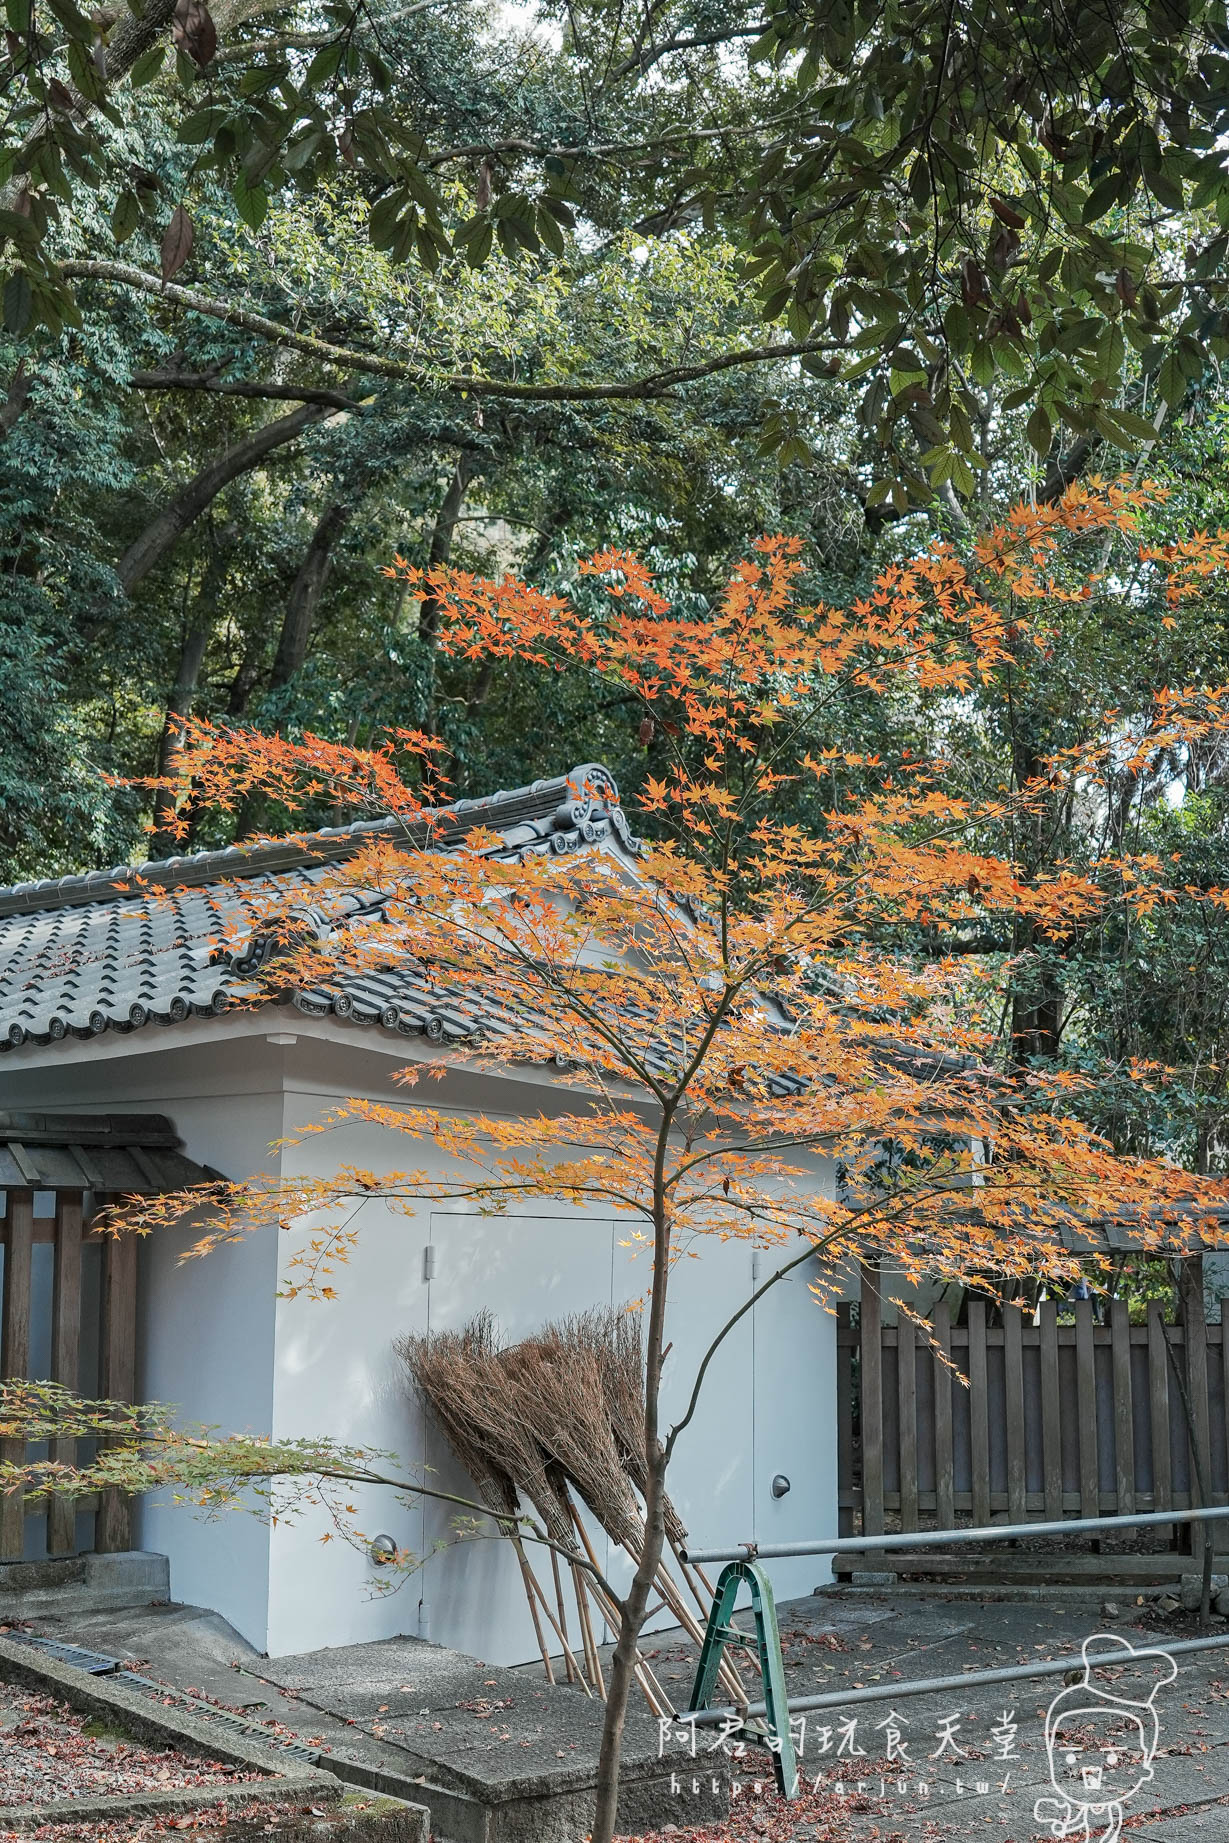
(324, 64)
(251, 201)
(1040, 430)
(18, 301)
(147, 66)
(126, 215)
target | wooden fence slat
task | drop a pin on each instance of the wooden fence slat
(113, 1524)
(15, 1348)
(1224, 1359)
(979, 1426)
(906, 1399)
(65, 1354)
(1124, 1413)
(1086, 1404)
(1158, 1402)
(872, 1404)
(945, 1510)
(1190, 1293)
(844, 1420)
(1051, 1410)
(1013, 1369)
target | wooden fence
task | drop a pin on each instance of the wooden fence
(67, 1314)
(1044, 1420)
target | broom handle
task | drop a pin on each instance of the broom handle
(532, 1593)
(562, 1626)
(581, 1583)
(575, 1673)
(703, 1591)
(659, 1702)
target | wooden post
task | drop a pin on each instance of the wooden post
(872, 1403)
(945, 1510)
(1190, 1294)
(15, 1349)
(1051, 1411)
(1086, 1404)
(844, 1418)
(1224, 1359)
(113, 1527)
(1013, 1369)
(979, 1417)
(1158, 1402)
(65, 1355)
(1124, 1418)
(906, 1403)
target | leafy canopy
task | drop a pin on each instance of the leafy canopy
(725, 1011)
(942, 198)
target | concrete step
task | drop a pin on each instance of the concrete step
(65, 1585)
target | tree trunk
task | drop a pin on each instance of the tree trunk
(635, 1606)
(1036, 1009)
(305, 593)
(244, 682)
(197, 631)
(441, 543)
(297, 623)
(1036, 999)
(164, 531)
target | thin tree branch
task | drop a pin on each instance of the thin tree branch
(699, 41)
(308, 41)
(652, 384)
(243, 387)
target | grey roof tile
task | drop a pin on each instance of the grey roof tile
(84, 955)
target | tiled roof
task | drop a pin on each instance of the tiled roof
(124, 1153)
(83, 955)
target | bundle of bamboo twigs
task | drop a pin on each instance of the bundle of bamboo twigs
(554, 1423)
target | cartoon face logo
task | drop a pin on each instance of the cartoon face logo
(1101, 1735)
(1095, 1755)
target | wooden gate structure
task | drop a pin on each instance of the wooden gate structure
(68, 1300)
(1042, 1421)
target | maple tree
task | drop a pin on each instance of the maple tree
(728, 1012)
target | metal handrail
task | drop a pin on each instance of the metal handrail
(926, 1686)
(943, 1538)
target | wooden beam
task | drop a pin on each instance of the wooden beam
(979, 1415)
(15, 1349)
(844, 1419)
(1013, 1370)
(113, 1525)
(945, 1482)
(1158, 1405)
(65, 1355)
(1124, 1417)
(872, 1403)
(906, 1405)
(1190, 1293)
(1051, 1411)
(1086, 1408)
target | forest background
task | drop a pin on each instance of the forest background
(290, 291)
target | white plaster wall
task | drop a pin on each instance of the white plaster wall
(216, 1340)
(205, 1327)
(768, 1404)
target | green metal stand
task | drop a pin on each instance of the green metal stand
(773, 1731)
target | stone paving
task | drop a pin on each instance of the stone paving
(834, 1642)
